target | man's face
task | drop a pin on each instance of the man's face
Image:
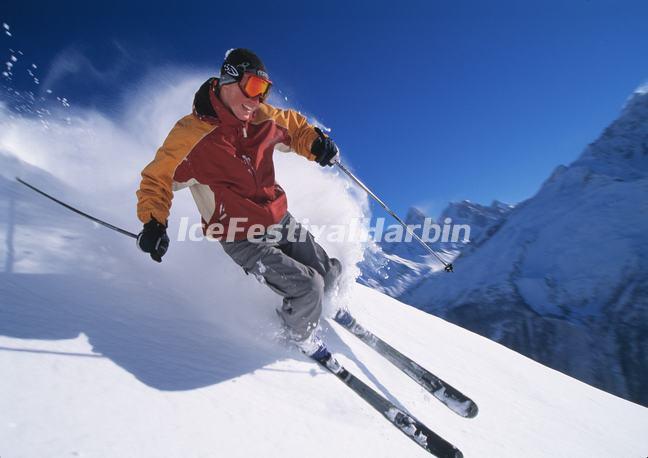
(233, 97)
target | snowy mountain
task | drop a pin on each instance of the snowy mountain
(393, 267)
(564, 278)
(105, 353)
(483, 221)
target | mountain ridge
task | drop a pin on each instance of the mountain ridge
(566, 265)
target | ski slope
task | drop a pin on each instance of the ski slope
(153, 386)
(104, 353)
(107, 354)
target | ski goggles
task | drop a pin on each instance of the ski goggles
(256, 86)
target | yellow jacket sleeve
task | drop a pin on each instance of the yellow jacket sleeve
(156, 188)
(302, 135)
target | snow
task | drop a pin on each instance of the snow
(261, 267)
(26, 102)
(151, 386)
(111, 354)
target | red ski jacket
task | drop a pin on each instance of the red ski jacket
(227, 164)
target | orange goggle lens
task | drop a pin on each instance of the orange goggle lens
(256, 86)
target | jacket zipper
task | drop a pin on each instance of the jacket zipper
(249, 164)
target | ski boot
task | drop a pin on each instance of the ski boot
(314, 348)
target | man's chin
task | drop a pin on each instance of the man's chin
(246, 116)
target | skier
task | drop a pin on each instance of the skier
(223, 153)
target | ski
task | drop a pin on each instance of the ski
(402, 420)
(454, 399)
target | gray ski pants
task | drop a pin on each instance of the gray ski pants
(295, 267)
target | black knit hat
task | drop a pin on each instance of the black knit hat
(238, 62)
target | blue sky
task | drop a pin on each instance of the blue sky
(430, 101)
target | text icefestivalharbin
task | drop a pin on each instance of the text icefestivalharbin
(356, 230)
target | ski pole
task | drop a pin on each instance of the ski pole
(448, 267)
(90, 217)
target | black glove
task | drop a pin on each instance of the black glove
(324, 149)
(153, 239)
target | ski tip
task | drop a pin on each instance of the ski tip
(472, 411)
(453, 452)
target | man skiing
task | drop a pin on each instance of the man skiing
(223, 153)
